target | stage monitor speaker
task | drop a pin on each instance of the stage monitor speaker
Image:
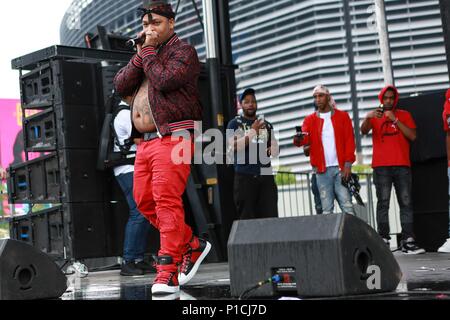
(315, 256)
(28, 274)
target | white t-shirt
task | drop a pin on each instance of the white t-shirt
(123, 127)
(329, 141)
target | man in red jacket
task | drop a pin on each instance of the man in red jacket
(392, 131)
(163, 79)
(329, 133)
(445, 248)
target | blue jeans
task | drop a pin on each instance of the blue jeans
(330, 186)
(401, 178)
(137, 230)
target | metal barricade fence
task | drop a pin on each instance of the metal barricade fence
(295, 199)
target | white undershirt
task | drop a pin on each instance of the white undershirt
(122, 124)
(329, 141)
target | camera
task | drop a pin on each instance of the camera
(354, 187)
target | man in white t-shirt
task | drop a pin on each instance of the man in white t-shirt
(330, 136)
(138, 227)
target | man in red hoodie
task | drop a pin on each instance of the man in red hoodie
(329, 134)
(445, 248)
(392, 131)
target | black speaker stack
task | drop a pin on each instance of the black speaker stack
(63, 96)
(429, 169)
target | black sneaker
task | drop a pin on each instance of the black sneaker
(409, 247)
(146, 267)
(386, 241)
(192, 260)
(130, 269)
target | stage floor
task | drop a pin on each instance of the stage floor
(425, 277)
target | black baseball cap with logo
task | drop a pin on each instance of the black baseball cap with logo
(248, 91)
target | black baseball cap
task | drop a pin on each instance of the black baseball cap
(248, 91)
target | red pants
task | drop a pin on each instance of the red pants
(159, 184)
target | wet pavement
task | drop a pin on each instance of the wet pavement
(425, 277)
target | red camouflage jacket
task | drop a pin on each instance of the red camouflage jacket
(173, 70)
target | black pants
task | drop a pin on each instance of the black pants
(401, 178)
(256, 197)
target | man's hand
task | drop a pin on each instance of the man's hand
(377, 113)
(347, 173)
(298, 138)
(139, 46)
(258, 125)
(390, 115)
(307, 150)
(151, 39)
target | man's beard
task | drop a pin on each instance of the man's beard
(250, 113)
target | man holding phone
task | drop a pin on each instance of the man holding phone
(329, 134)
(393, 130)
(251, 140)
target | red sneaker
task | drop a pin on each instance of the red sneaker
(166, 281)
(192, 260)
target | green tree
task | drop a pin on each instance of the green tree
(284, 177)
(361, 168)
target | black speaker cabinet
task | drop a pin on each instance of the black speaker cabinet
(59, 82)
(78, 230)
(429, 169)
(315, 256)
(28, 274)
(74, 127)
(68, 175)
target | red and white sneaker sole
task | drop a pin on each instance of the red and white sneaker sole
(183, 278)
(161, 289)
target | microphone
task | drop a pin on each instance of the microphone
(134, 42)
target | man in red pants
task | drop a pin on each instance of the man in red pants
(163, 78)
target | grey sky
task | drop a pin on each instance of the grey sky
(26, 26)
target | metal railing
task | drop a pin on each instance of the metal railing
(295, 199)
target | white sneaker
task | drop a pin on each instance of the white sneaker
(445, 248)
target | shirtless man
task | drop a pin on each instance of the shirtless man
(163, 78)
(142, 115)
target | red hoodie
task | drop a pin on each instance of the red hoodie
(344, 137)
(390, 146)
